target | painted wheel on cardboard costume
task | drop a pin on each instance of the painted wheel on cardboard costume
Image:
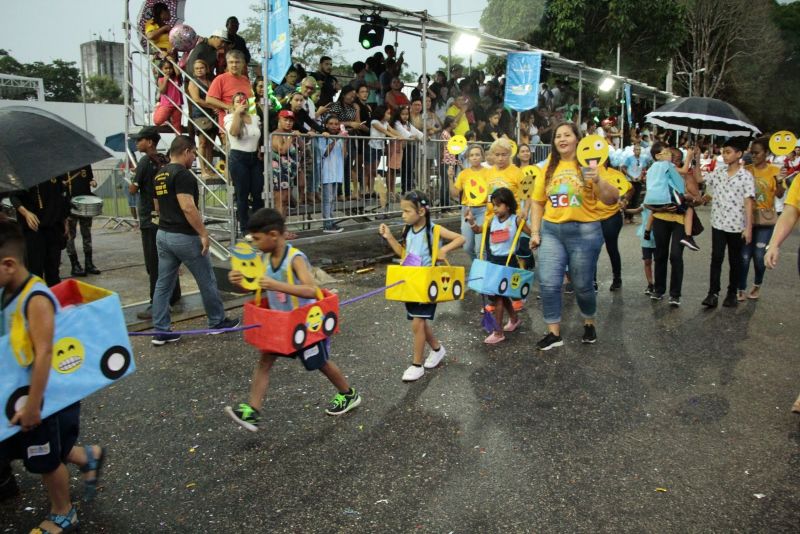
(503, 286)
(329, 323)
(115, 362)
(16, 401)
(524, 290)
(299, 336)
(457, 289)
(433, 291)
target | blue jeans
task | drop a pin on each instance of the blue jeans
(473, 241)
(329, 204)
(575, 245)
(174, 249)
(247, 172)
(756, 250)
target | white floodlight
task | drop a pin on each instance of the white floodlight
(607, 84)
(466, 44)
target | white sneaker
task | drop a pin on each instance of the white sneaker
(413, 373)
(434, 357)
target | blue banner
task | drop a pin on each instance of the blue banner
(280, 54)
(628, 106)
(522, 80)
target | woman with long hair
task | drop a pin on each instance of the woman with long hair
(205, 127)
(566, 225)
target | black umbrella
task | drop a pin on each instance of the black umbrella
(36, 145)
(703, 116)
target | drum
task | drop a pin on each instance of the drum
(87, 206)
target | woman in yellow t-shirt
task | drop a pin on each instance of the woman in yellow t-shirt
(566, 225)
(769, 185)
(472, 189)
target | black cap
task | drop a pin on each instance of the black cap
(148, 132)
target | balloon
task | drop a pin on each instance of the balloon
(513, 147)
(182, 37)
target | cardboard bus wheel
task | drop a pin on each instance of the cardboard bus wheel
(457, 290)
(503, 286)
(525, 290)
(329, 324)
(299, 336)
(433, 291)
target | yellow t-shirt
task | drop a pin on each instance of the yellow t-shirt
(509, 177)
(617, 179)
(162, 41)
(473, 187)
(462, 126)
(765, 185)
(566, 198)
(793, 196)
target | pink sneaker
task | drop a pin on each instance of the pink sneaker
(512, 325)
(493, 339)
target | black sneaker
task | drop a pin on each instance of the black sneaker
(245, 416)
(712, 300)
(689, 243)
(333, 230)
(225, 323)
(616, 284)
(650, 289)
(145, 314)
(675, 302)
(656, 296)
(730, 300)
(589, 334)
(343, 403)
(550, 341)
(162, 339)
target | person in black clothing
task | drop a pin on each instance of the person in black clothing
(146, 170)
(302, 122)
(207, 51)
(80, 182)
(329, 84)
(42, 214)
(237, 42)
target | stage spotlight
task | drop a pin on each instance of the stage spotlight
(371, 34)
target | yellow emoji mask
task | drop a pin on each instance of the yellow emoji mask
(592, 149)
(782, 143)
(246, 260)
(457, 144)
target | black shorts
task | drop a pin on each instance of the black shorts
(47, 446)
(647, 253)
(419, 310)
(314, 357)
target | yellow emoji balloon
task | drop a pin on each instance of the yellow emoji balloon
(457, 144)
(246, 260)
(68, 355)
(529, 175)
(782, 143)
(592, 149)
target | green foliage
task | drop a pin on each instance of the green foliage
(512, 19)
(311, 37)
(62, 79)
(103, 90)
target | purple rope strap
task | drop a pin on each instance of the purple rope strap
(370, 293)
(197, 332)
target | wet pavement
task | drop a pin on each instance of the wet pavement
(677, 420)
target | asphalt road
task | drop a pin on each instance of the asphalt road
(677, 420)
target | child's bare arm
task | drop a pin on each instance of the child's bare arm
(456, 240)
(306, 289)
(387, 235)
(41, 325)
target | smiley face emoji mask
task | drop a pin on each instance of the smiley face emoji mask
(529, 175)
(592, 151)
(457, 144)
(246, 260)
(68, 355)
(782, 143)
(475, 192)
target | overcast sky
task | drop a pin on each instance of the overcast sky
(30, 36)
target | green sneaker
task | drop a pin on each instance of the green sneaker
(343, 403)
(245, 415)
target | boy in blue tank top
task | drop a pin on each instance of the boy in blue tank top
(44, 445)
(285, 292)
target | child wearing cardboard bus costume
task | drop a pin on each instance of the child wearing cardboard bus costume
(419, 246)
(44, 445)
(288, 282)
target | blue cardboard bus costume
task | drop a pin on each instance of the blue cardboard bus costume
(425, 284)
(91, 349)
(501, 280)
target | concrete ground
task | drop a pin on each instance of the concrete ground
(677, 420)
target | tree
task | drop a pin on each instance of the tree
(311, 38)
(103, 90)
(62, 80)
(512, 19)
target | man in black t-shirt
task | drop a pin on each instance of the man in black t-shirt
(80, 182)
(146, 170)
(182, 238)
(329, 84)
